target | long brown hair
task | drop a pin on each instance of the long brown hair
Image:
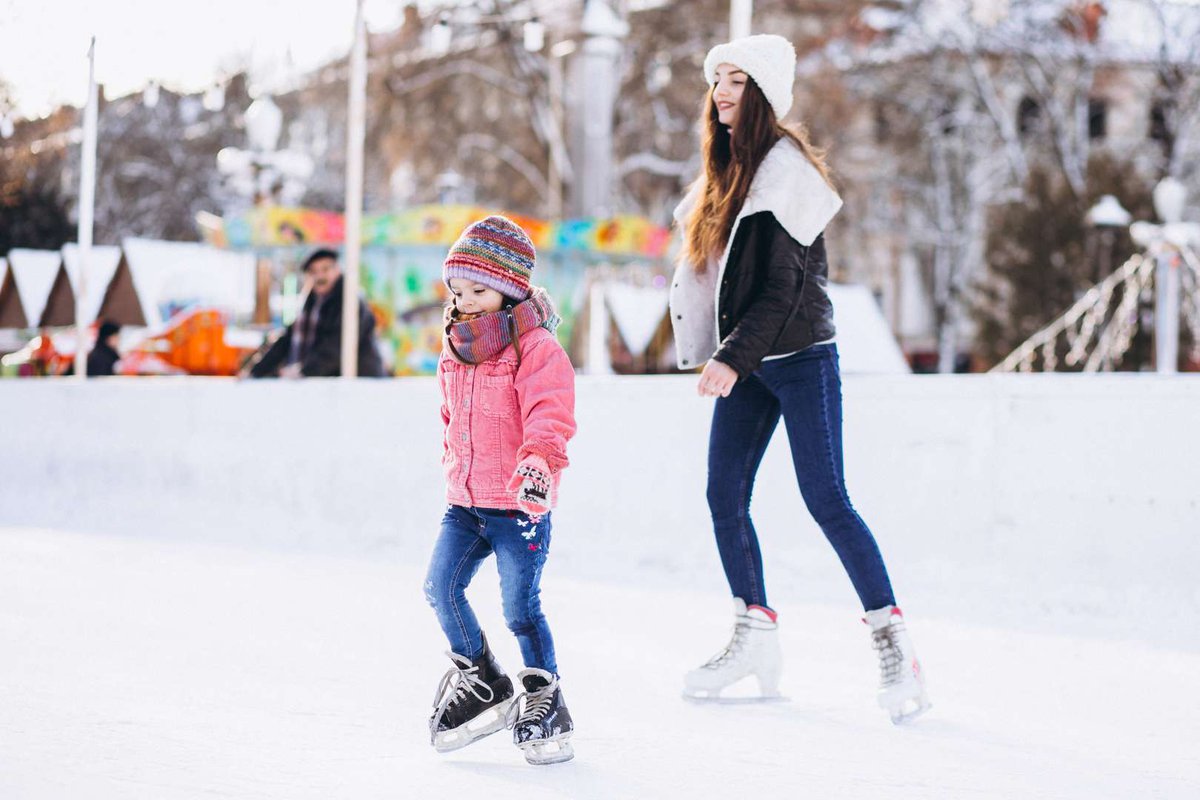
(730, 163)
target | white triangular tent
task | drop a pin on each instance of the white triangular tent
(9, 340)
(153, 278)
(637, 312)
(26, 286)
(60, 307)
(864, 339)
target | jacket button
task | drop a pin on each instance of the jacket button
(679, 316)
(464, 436)
(724, 316)
(685, 362)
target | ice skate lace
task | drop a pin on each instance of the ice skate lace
(530, 707)
(736, 644)
(891, 660)
(455, 685)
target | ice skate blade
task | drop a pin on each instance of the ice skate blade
(909, 710)
(716, 699)
(554, 750)
(473, 730)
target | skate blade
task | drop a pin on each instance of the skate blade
(473, 730)
(702, 697)
(548, 751)
(909, 710)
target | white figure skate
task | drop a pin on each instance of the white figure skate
(753, 649)
(901, 682)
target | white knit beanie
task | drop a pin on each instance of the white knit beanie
(768, 59)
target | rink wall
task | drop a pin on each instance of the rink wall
(1062, 491)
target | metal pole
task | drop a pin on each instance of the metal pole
(1166, 312)
(87, 208)
(598, 360)
(600, 55)
(356, 134)
(740, 14)
(555, 199)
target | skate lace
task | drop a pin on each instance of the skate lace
(530, 706)
(737, 643)
(454, 686)
(891, 660)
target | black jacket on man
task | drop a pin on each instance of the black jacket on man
(772, 298)
(323, 356)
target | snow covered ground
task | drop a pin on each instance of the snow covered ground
(142, 668)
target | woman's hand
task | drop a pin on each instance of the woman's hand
(716, 380)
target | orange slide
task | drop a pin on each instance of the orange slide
(193, 343)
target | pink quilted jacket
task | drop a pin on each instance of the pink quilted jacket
(499, 413)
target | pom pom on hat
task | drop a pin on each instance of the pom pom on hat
(768, 59)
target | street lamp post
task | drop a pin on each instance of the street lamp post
(438, 42)
(1106, 218)
(603, 30)
(262, 171)
(741, 13)
(1165, 241)
(264, 174)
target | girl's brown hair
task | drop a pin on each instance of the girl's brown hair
(730, 163)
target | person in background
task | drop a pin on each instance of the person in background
(312, 345)
(104, 356)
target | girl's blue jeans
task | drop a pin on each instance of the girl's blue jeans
(521, 545)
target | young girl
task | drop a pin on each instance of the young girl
(508, 407)
(749, 303)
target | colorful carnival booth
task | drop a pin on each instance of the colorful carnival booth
(402, 262)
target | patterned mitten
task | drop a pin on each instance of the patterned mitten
(531, 482)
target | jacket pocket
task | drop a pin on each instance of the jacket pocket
(497, 397)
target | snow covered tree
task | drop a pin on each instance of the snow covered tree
(975, 96)
(33, 199)
(33, 209)
(157, 162)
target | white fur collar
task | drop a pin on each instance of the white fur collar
(787, 185)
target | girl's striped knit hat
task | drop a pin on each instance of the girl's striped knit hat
(495, 252)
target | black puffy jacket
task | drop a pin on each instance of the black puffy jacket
(324, 356)
(772, 297)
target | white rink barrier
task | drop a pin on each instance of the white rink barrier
(1061, 492)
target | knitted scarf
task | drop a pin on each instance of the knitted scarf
(474, 339)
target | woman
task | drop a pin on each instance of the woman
(749, 302)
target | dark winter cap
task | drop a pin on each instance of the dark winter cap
(317, 256)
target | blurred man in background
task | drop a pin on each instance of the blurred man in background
(312, 345)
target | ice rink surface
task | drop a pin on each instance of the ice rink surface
(143, 668)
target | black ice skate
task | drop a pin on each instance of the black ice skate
(541, 723)
(472, 701)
